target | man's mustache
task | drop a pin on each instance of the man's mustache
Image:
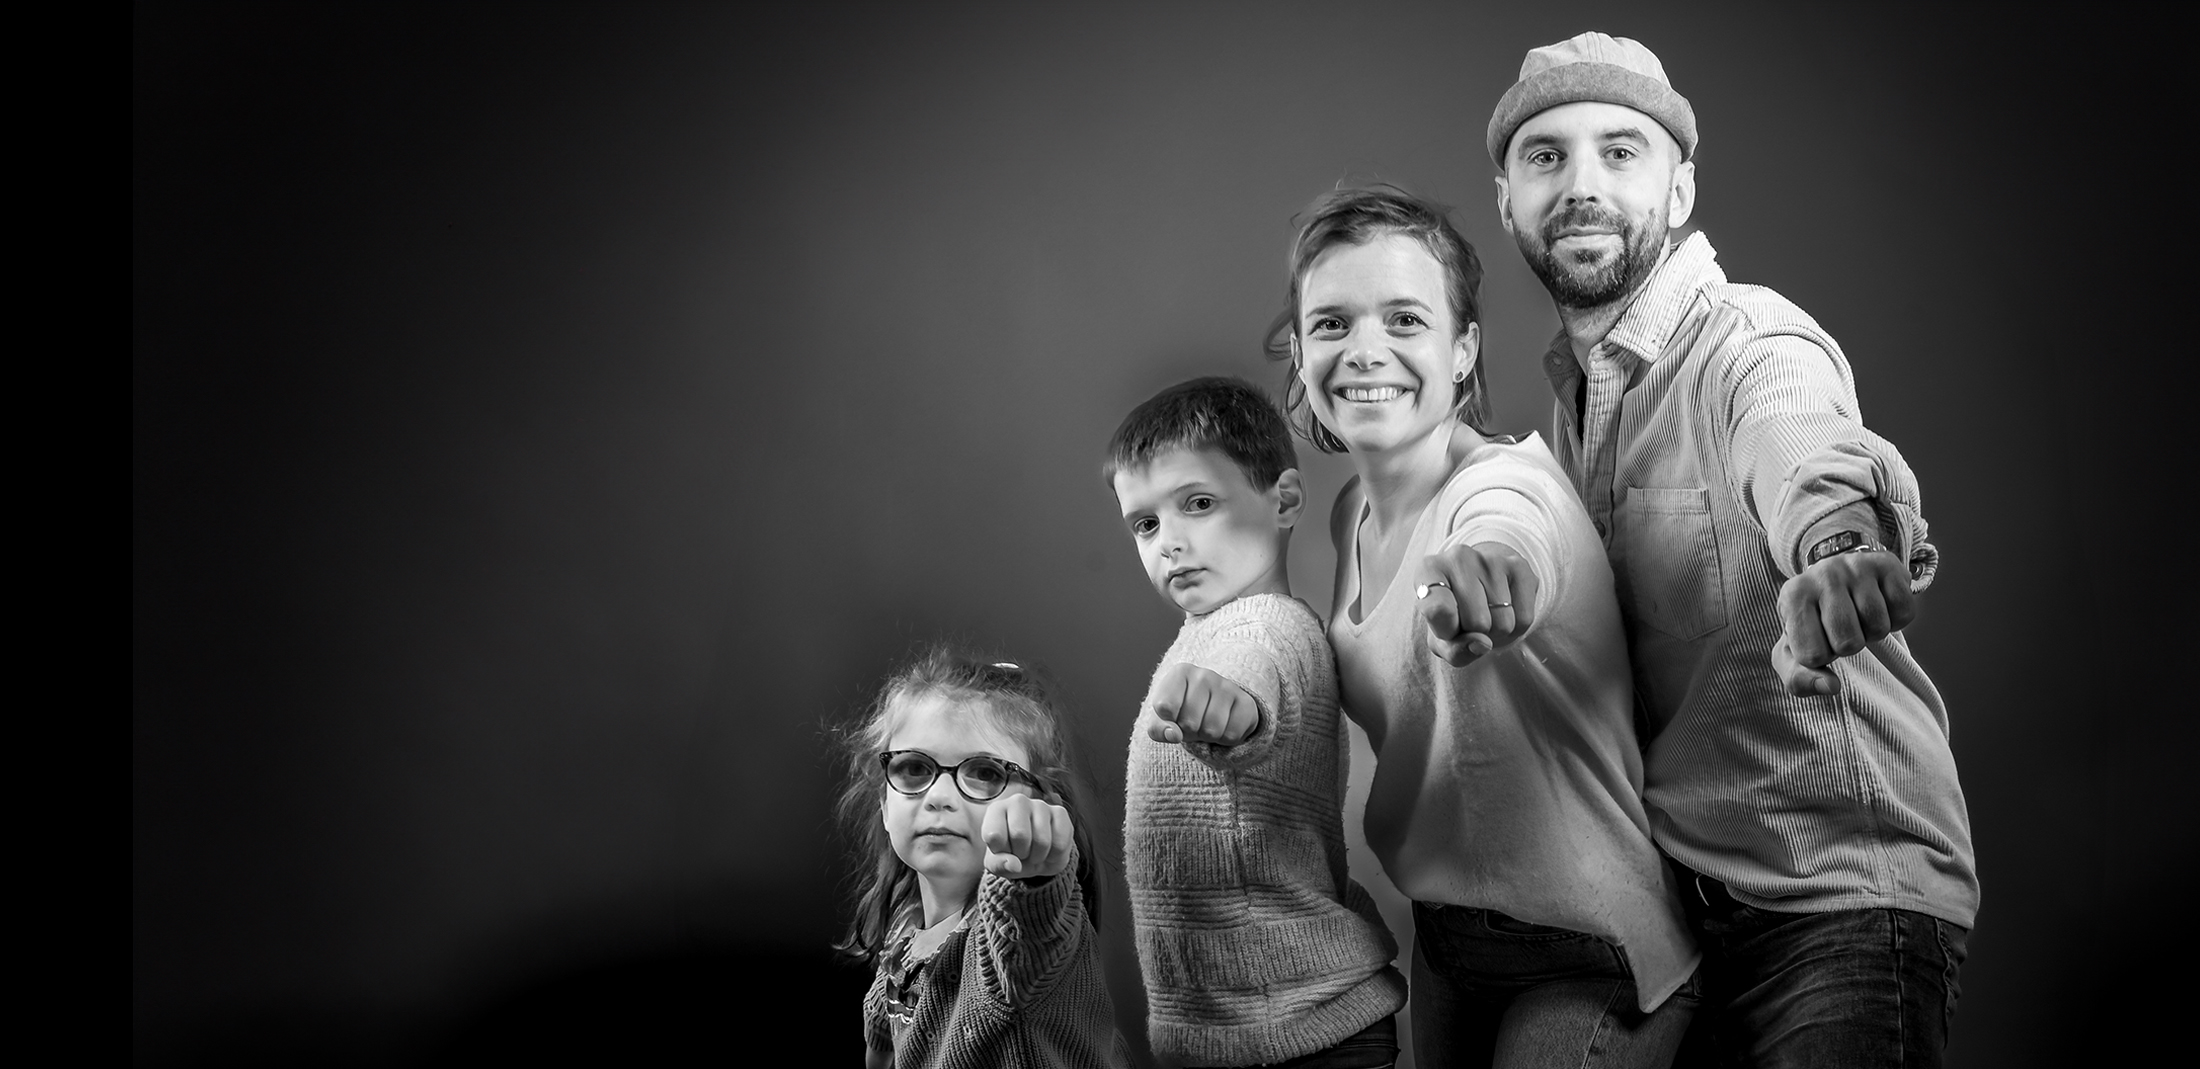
(1583, 217)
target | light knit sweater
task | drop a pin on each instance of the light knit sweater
(1017, 985)
(1514, 783)
(1255, 943)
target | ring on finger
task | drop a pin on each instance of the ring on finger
(1421, 592)
(1501, 605)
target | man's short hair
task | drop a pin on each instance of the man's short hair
(1221, 413)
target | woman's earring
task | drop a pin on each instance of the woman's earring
(1458, 376)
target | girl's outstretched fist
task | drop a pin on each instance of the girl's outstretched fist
(1027, 838)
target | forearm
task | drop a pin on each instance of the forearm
(1025, 932)
(1803, 463)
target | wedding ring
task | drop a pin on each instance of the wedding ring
(1501, 605)
(1421, 592)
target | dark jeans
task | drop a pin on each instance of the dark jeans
(1373, 1047)
(1489, 990)
(1852, 989)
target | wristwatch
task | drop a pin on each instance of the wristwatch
(1841, 542)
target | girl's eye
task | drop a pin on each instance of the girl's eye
(910, 772)
(984, 776)
(1198, 503)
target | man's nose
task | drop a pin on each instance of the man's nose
(1584, 182)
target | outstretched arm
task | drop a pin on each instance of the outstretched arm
(1030, 917)
(1838, 505)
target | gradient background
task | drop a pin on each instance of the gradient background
(546, 420)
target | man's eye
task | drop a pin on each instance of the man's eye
(1543, 157)
(1622, 153)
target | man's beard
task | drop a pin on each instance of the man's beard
(1574, 284)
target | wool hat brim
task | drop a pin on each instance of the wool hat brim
(1606, 83)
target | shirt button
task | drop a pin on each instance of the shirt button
(1601, 530)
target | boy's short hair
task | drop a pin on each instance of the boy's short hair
(1216, 412)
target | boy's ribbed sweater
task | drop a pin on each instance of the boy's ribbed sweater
(1255, 943)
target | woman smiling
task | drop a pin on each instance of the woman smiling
(1479, 645)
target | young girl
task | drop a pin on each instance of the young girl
(1479, 643)
(980, 900)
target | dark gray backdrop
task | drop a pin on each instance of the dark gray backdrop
(544, 419)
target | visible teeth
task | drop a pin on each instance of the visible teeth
(1372, 393)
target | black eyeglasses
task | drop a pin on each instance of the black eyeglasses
(980, 778)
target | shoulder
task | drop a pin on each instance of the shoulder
(1263, 636)
(1525, 467)
(1278, 622)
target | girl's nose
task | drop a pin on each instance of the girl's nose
(943, 794)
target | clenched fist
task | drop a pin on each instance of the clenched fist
(1835, 608)
(1474, 599)
(1197, 705)
(1026, 838)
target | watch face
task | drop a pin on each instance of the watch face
(1841, 542)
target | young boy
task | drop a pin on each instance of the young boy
(1257, 948)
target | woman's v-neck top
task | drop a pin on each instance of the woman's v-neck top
(1514, 783)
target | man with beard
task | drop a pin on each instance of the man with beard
(1811, 810)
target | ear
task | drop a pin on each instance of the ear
(1290, 498)
(1504, 204)
(1465, 350)
(1680, 201)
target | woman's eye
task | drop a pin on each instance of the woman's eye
(1406, 319)
(1327, 325)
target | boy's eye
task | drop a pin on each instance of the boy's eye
(1144, 525)
(1198, 503)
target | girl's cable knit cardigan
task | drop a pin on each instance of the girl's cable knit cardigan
(1018, 984)
(1255, 943)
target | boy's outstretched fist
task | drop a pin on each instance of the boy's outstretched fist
(1195, 704)
(1027, 838)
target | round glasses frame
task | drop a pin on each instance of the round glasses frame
(1010, 771)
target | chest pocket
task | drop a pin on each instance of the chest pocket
(1669, 554)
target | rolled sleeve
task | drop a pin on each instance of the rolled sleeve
(1802, 461)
